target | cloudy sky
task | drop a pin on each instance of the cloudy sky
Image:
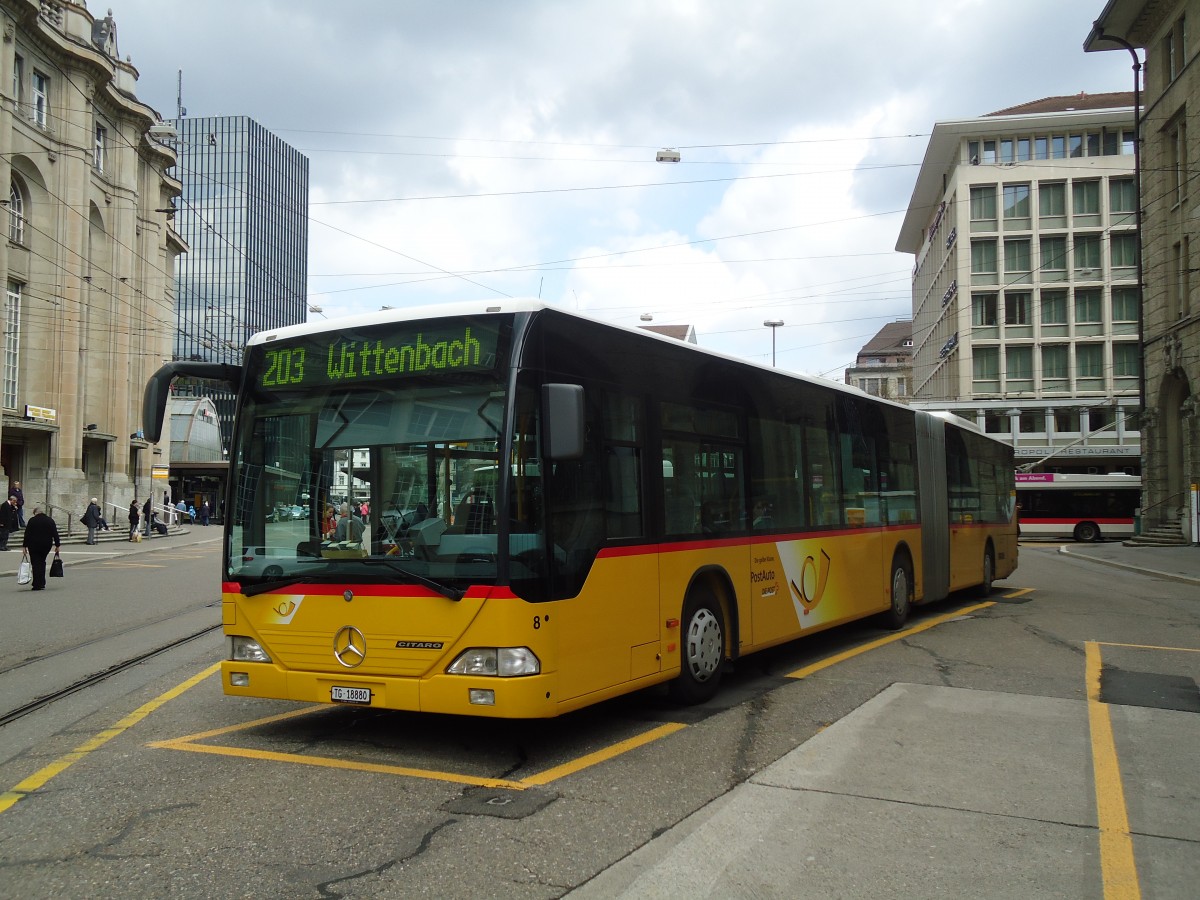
(482, 149)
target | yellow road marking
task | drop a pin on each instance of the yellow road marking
(38, 779)
(189, 743)
(601, 755)
(884, 641)
(1117, 867)
(1018, 593)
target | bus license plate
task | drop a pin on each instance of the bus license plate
(350, 695)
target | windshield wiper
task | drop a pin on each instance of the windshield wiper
(270, 584)
(445, 590)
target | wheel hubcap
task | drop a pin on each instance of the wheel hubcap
(899, 590)
(704, 645)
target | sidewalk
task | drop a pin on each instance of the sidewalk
(854, 807)
(110, 544)
(1176, 563)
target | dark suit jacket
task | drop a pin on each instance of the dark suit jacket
(41, 534)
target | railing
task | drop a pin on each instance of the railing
(1176, 498)
(50, 509)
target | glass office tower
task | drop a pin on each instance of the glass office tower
(244, 215)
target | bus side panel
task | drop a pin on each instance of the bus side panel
(812, 583)
(935, 503)
(611, 633)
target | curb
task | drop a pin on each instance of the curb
(1170, 576)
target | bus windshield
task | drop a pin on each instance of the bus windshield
(358, 483)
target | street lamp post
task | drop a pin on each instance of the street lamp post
(773, 324)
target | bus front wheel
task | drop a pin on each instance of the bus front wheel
(1087, 532)
(703, 649)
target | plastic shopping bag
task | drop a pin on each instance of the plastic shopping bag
(25, 571)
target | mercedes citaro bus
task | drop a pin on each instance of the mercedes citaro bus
(517, 511)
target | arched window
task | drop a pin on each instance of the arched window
(16, 215)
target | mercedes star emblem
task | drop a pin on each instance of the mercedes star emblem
(349, 646)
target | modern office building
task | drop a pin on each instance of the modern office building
(244, 213)
(883, 367)
(1169, 159)
(1025, 292)
(88, 262)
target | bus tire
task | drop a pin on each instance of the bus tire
(989, 572)
(702, 649)
(1087, 532)
(901, 594)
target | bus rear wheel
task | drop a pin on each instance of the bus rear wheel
(989, 572)
(703, 649)
(1087, 532)
(902, 591)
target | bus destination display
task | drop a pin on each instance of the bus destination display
(341, 358)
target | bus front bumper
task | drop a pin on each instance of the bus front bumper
(526, 697)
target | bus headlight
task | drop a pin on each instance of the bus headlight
(504, 662)
(242, 649)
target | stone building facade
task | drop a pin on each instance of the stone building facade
(88, 262)
(1170, 203)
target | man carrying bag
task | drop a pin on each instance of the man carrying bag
(41, 533)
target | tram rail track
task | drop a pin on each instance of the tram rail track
(97, 677)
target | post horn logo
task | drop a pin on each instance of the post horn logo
(813, 577)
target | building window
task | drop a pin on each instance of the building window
(1054, 258)
(985, 364)
(983, 260)
(1123, 254)
(1018, 365)
(1122, 197)
(1177, 167)
(1054, 307)
(1031, 422)
(1066, 421)
(1052, 205)
(1174, 50)
(18, 78)
(1017, 308)
(40, 107)
(1058, 144)
(12, 343)
(1127, 363)
(99, 151)
(1041, 148)
(16, 215)
(1087, 307)
(1075, 146)
(1179, 281)
(1054, 362)
(1087, 256)
(1085, 203)
(1016, 205)
(1089, 360)
(983, 310)
(1023, 150)
(983, 207)
(1124, 304)
(1017, 259)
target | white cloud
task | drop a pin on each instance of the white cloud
(802, 127)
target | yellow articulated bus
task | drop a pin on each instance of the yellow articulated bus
(511, 510)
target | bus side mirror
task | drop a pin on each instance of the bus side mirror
(562, 417)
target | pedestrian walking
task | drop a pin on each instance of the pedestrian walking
(133, 519)
(8, 520)
(41, 533)
(147, 514)
(15, 491)
(204, 512)
(92, 520)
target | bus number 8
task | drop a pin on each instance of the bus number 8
(284, 367)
